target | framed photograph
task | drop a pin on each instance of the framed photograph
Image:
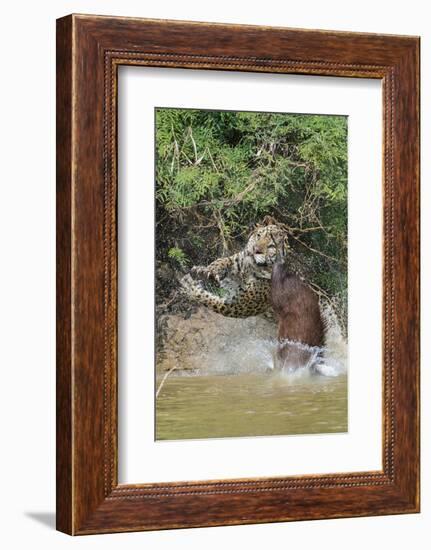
(237, 274)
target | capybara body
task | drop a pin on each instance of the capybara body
(300, 325)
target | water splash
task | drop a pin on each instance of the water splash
(209, 344)
(249, 355)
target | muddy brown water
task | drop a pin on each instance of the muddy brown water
(251, 404)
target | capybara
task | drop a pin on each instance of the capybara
(300, 325)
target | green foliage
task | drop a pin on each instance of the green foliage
(218, 173)
(178, 256)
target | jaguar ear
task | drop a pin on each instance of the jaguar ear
(269, 220)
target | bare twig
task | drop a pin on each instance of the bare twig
(317, 251)
(175, 155)
(166, 304)
(194, 145)
(220, 225)
(200, 159)
(212, 160)
(307, 229)
(164, 380)
(228, 202)
(187, 158)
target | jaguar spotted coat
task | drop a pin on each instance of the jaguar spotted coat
(243, 280)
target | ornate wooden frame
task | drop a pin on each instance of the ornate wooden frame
(89, 51)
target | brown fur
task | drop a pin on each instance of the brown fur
(299, 320)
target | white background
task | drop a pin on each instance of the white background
(27, 123)
(141, 458)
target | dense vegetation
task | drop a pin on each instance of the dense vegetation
(220, 172)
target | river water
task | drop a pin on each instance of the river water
(251, 404)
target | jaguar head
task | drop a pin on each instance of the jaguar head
(267, 243)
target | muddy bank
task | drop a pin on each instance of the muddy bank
(206, 342)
